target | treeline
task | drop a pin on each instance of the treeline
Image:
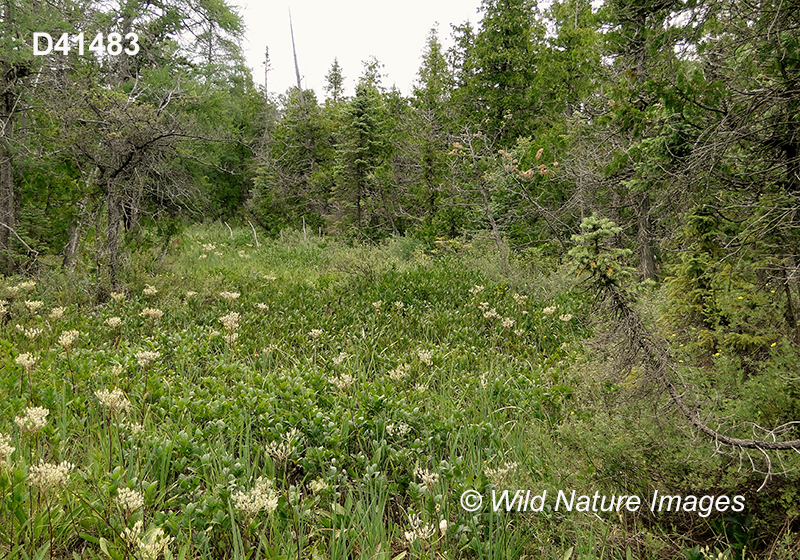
(678, 120)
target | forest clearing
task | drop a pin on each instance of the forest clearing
(544, 302)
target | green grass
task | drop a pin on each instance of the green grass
(353, 371)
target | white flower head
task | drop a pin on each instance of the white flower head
(549, 310)
(150, 290)
(33, 305)
(427, 477)
(117, 296)
(57, 312)
(6, 449)
(566, 318)
(230, 321)
(229, 296)
(146, 356)
(68, 338)
(114, 322)
(35, 419)
(26, 360)
(315, 333)
(476, 289)
(425, 356)
(47, 475)
(130, 500)
(262, 497)
(343, 381)
(151, 313)
(115, 400)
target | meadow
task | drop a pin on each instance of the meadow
(307, 398)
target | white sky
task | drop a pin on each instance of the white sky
(350, 30)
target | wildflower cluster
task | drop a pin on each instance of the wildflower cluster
(231, 323)
(68, 338)
(115, 400)
(6, 449)
(46, 476)
(151, 313)
(35, 419)
(26, 360)
(418, 530)
(150, 545)
(262, 497)
(130, 500)
(146, 356)
(282, 450)
(499, 474)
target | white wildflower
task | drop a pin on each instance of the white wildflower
(151, 313)
(520, 299)
(491, 314)
(26, 360)
(398, 430)
(32, 332)
(68, 338)
(318, 485)
(190, 293)
(500, 473)
(117, 296)
(399, 305)
(230, 321)
(34, 420)
(399, 373)
(549, 310)
(377, 305)
(282, 450)
(315, 333)
(262, 497)
(114, 400)
(57, 312)
(130, 500)
(566, 318)
(6, 449)
(419, 530)
(476, 289)
(425, 356)
(427, 477)
(343, 381)
(150, 290)
(27, 285)
(229, 296)
(146, 356)
(47, 475)
(262, 306)
(114, 322)
(12, 290)
(508, 322)
(33, 306)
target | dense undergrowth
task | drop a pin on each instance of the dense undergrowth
(308, 399)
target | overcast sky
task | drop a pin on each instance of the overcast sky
(350, 30)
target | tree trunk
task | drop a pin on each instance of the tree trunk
(74, 236)
(647, 264)
(7, 203)
(113, 208)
